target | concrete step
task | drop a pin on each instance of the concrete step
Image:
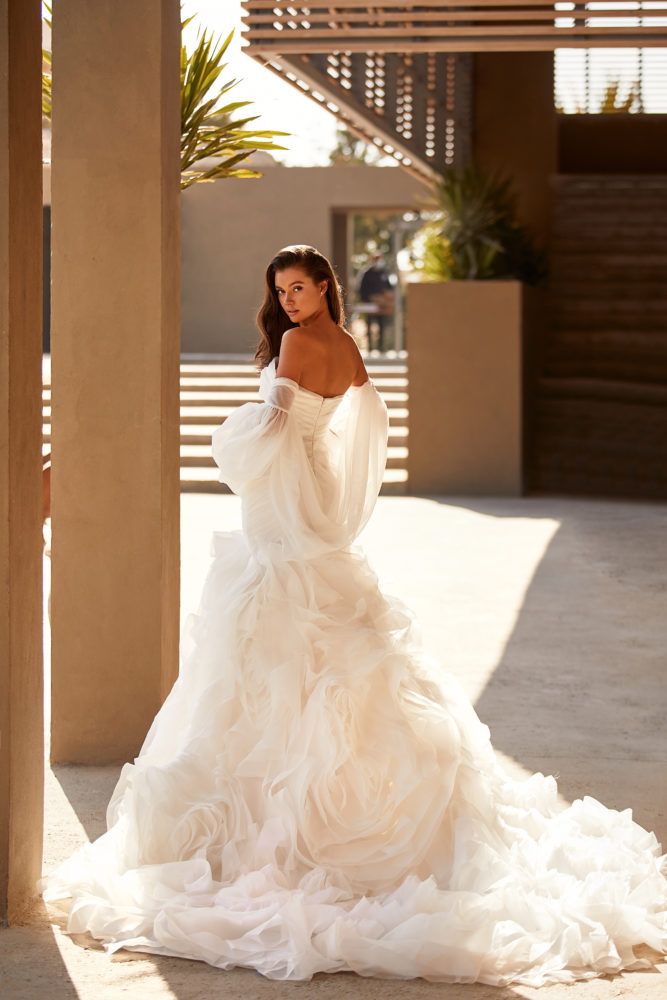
(203, 368)
(204, 480)
(201, 434)
(211, 391)
(235, 398)
(234, 395)
(234, 384)
(223, 383)
(200, 455)
(216, 414)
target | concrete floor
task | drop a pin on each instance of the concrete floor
(553, 615)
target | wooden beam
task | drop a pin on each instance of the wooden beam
(449, 26)
(390, 4)
(454, 15)
(444, 31)
(456, 45)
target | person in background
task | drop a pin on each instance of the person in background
(375, 286)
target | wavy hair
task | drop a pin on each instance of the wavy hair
(271, 319)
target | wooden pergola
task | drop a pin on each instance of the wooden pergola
(399, 75)
(448, 26)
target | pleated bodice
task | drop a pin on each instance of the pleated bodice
(313, 413)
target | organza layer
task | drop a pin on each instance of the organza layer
(316, 794)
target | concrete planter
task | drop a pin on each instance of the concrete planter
(472, 352)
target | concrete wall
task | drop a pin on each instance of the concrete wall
(232, 228)
(516, 127)
(470, 365)
(612, 144)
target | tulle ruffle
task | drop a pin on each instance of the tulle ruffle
(316, 794)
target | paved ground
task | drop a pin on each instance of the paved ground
(552, 613)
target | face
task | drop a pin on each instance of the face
(299, 295)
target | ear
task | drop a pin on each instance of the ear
(323, 286)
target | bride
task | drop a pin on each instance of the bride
(317, 794)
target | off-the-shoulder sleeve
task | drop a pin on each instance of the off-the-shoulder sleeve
(315, 507)
(358, 437)
(246, 443)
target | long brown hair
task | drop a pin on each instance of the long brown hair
(271, 319)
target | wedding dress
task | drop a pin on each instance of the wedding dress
(316, 793)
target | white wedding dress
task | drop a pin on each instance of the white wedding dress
(316, 794)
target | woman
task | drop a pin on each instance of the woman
(316, 794)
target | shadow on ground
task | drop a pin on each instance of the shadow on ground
(581, 685)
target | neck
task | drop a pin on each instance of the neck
(319, 322)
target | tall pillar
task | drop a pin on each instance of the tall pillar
(115, 372)
(21, 544)
(516, 127)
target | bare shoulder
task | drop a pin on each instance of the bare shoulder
(290, 357)
(360, 374)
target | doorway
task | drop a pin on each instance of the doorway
(371, 258)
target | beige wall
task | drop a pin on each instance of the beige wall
(232, 228)
(469, 372)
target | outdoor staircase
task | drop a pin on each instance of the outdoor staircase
(600, 423)
(211, 390)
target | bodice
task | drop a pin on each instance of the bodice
(308, 467)
(313, 414)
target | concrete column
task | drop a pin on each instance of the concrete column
(115, 370)
(516, 127)
(21, 543)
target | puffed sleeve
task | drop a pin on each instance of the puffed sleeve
(358, 447)
(247, 442)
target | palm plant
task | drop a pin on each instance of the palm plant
(472, 232)
(46, 67)
(611, 101)
(208, 131)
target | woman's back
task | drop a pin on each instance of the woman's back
(326, 363)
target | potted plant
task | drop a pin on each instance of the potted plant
(473, 311)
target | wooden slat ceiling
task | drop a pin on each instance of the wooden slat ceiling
(275, 26)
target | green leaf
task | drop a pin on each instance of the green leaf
(474, 234)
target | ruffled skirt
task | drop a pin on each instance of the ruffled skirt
(316, 795)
